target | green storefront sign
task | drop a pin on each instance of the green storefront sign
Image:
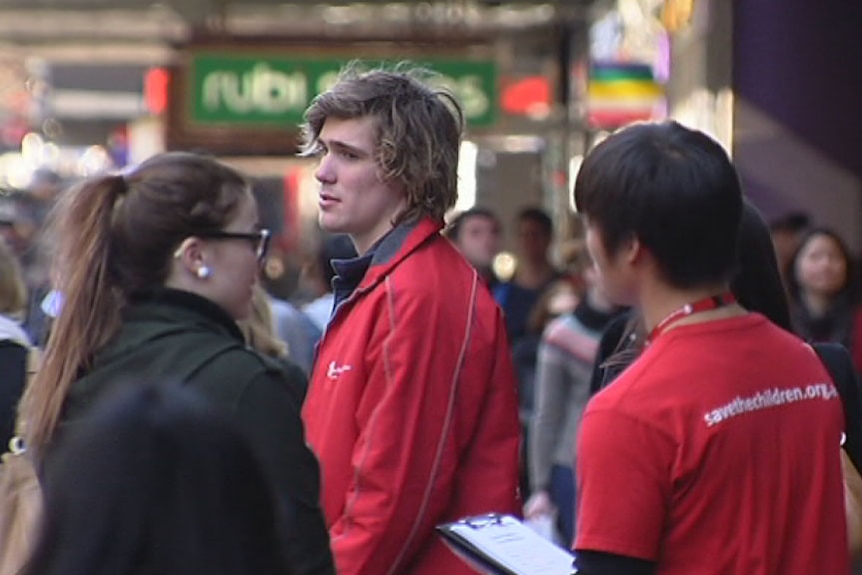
(252, 90)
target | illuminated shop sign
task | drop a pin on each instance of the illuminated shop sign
(255, 90)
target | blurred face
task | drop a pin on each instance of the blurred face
(353, 199)
(820, 267)
(533, 240)
(613, 273)
(234, 263)
(479, 240)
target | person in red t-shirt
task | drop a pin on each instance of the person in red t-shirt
(678, 470)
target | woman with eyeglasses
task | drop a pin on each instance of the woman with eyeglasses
(155, 267)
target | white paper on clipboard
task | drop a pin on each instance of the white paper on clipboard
(507, 543)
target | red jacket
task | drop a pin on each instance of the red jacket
(412, 409)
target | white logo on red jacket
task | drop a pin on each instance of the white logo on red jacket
(335, 370)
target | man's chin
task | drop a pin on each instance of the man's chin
(327, 225)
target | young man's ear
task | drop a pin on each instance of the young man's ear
(631, 251)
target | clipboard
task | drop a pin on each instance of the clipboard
(498, 544)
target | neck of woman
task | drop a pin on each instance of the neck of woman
(817, 304)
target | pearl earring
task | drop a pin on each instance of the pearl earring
(203, 272)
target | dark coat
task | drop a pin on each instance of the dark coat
(175, 335)
(13, 376)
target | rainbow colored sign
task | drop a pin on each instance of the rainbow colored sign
(621, 93)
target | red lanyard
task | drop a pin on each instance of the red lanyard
(705, 304)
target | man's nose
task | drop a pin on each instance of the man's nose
(324, 172)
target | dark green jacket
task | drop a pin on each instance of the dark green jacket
(175, 335)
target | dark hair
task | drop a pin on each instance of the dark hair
(114, 236)
(793, 222)
(156, 483)
(453, 230)
(795, 289)
(757, 281)
(418, 131)
(671, 188)
(539, 217)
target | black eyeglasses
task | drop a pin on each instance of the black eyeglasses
(259, 240)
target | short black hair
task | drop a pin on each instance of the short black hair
(453, 230)
(673, 189)
(538, 216)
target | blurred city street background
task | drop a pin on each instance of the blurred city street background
(93, 85)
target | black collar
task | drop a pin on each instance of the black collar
(188, 300)
(593, 318)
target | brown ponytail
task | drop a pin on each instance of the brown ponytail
(91, 302)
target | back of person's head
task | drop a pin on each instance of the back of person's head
(156, 483)
(672, 189)
(418, 128)
(757, 282)
(13, 293)
(824, 245)
(116, 235)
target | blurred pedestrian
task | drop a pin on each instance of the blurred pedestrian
(476, 233)
(412, 406)
(533, 274)
(155, 267)
(157, 482)
(822, 289)
(562, 387)
(15, 345)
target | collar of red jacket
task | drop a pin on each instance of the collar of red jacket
(396, 246)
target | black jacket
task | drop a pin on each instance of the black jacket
(175, 335)
(13, 376)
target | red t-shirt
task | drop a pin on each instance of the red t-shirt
(717, 452)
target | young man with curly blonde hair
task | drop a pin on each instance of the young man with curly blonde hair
(411, 408)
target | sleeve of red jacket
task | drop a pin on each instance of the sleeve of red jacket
(405, 459)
